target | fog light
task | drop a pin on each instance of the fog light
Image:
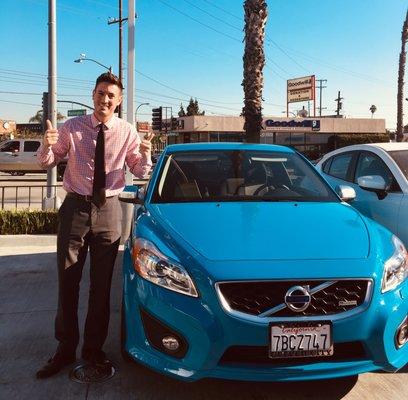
(401, 336)
(170, 343)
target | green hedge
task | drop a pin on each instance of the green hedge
(342, 140)
(28, 222)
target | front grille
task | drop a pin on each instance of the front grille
(257, 297)
(255, 355)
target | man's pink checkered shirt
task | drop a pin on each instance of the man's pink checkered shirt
(77, 140)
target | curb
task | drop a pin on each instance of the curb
(27, 240)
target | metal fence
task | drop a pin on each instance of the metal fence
(27, 197)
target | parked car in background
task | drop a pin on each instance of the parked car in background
(378, 172)
(19, 156)
(243, 263)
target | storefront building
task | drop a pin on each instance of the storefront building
(311, 136)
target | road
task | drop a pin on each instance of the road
(28, 293)
(26, 192)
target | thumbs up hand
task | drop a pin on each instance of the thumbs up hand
(146, 145)
(51, 135)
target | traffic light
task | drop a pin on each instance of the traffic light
(157, 115)
(174, 124)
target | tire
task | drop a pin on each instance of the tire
(125, 355)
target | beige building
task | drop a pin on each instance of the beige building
(309, 135)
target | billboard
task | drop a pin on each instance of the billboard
(301, 89)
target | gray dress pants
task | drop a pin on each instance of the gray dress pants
(82, 225)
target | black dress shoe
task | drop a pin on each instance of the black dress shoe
(55, 364)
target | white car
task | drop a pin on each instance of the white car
(378, 172)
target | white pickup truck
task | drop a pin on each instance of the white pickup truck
(19, 156)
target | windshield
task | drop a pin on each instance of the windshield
(401, 158)
(233, 175)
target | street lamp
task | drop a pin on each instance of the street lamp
(137, 108)
(83, 57)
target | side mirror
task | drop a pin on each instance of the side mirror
(346, 193)
(374, 183)
(132, 194)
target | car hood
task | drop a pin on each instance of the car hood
(267, 230)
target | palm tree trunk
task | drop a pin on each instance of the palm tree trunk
(401, 70)
(254, 60)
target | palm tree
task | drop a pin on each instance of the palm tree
(256, 14)
(38, 117)
(401, 69)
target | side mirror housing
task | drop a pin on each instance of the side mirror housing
(346, 193)
(374, 183)
(132, 194)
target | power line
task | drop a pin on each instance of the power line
(199, 22)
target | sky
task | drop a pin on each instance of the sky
(194, 48)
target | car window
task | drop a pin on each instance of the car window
(340, 165)
(31, 145)
(370, 164)
(401, 158)
(326, 165)
(236, 175)
(11, 146)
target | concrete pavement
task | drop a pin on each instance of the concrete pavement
(28, 296)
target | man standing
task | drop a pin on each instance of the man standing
(97, 146)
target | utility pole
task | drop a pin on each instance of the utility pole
(51, 201)
(339, 103)
(321, 87)
(119, 21)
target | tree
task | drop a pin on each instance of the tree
(181, 113)
(256, 14)
(401, 71)
(38, 117)
(193, 108)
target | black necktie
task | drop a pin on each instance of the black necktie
(99, 183)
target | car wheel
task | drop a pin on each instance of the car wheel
(125, 355)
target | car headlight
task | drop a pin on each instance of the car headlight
(159, 269)
(396, 267)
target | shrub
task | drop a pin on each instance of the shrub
(28, 222)
(342, 140)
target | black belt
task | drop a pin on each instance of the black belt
(84, 197)
(78, 196)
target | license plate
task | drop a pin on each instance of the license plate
(307, 339)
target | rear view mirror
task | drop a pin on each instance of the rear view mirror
(374, 183)
(132, 194)
(346, 193)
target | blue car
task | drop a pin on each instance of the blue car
(244, 264)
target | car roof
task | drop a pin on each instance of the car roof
(174, 148)
(390, 146)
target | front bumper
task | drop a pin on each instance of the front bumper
(210, 331)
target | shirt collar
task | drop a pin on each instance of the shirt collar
(109, 124)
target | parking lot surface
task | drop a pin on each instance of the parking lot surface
(28, 296)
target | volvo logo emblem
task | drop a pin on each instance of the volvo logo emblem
(298, 298)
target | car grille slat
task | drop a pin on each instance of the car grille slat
(257, 297)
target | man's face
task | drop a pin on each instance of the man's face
(106, 97)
